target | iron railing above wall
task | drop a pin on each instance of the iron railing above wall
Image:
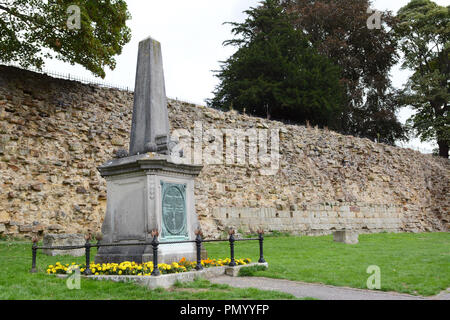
(89, 81)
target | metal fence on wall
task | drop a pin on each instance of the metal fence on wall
(68, 76)
(88, 81)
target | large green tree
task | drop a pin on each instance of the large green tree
(33, 30)
(339, 30)
(276, 73)
(424, 31)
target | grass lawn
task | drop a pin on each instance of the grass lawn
(409, 263)
(417, 264)
(16, 283)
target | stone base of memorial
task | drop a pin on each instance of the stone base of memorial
(144, 193)
(168, 280)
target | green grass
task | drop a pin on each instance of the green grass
(417, 264)
(16, 283)
(409, 263)
(251, 271)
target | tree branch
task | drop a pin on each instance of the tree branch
(30, 21)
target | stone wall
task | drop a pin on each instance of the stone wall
(55, 133)
(315, 219)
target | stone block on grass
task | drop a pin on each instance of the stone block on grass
(57, 240)
(346, 236)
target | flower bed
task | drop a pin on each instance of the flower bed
(145, 269)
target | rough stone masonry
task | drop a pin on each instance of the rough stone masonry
(55, 133)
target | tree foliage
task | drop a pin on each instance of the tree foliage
(275, 71)
(424, 32)
(338, 29)
(32, 30)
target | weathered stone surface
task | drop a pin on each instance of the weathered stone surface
(320, 172)
(55, 240)
(346, 236)
(133, 212)
(134, 207)
(26, 228)
(150, 116)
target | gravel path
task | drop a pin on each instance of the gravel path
(319, 291)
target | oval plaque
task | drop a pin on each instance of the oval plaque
(174, 210)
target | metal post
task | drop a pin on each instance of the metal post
(261, 246)
(34, 254)
(198, 241)
(87, 248)
(155, 244)
(232, 240)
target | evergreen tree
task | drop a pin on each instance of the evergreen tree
(276, 73)
(339, 30)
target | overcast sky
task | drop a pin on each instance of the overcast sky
(191, 34)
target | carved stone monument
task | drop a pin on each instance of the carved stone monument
(150, 126)
(145, 190)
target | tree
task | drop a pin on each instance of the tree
(338, 29)
(275, 72)
(424, 32)
(32, 30)
(377, 119)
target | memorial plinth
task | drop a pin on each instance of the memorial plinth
(147, 192)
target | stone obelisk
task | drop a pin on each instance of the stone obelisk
(150, 126)
(145, 190)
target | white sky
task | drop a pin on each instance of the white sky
(191, 34)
